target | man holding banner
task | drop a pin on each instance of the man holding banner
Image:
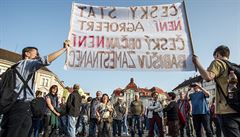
(218, 71)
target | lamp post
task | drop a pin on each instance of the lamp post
(127, 97)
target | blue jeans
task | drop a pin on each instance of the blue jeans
(37, 124)
(71, 126)
(82, 125)
(136, 122)
(92, 127)
(125, 124)
(202, 120)
(63, 125)
(117, 127)
(230, 124)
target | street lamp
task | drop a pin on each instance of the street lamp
(128, 99)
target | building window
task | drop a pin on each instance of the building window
(44, 82)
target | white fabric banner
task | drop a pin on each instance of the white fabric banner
(129, 38)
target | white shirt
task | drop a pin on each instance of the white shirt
(157, 107)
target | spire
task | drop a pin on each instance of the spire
(131, 85)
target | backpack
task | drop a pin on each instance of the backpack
(7, 85)
(232, 98)
(38, 107)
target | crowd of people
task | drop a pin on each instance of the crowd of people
(76, 115)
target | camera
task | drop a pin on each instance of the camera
(193, 85)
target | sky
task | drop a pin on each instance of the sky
(45, 24)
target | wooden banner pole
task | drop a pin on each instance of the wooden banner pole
(189, 32)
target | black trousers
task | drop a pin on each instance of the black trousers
(17, 121)
(230, 124)
(202, 120)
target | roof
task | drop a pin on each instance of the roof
(117, 92)
(10, 56)
(144, 92)
(14, 57)
(131, 85)
(158, 90)
(188, 82)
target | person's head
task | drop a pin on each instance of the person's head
(98, 94)
(63, 99)
(172, 95)
(53, 89)
(120, 99)
(30, 53)
(155, 95)
(221, 52)
(195, 86)
(105, 98)
(38, 93)
(76, 87)
(136, 96)
(89, 99)
(181, 95)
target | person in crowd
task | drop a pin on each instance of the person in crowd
(185, 107)
(63, 117)
(38, 107)
(137, 110)
(51, 114)
(218, 71)
(155, 114)
(104, 115)
(84, 100)
(119, 111)
(73, 110)
(93, 118)
(200, 109)
(87, 117)
(215, 119)
(84, 117)
(172, 115)
(30, 63)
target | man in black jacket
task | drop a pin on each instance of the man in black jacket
(73, 110)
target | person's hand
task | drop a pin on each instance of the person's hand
(195, 59)
(198, 85)
(98, 118)
(66, 43)
(58, 114)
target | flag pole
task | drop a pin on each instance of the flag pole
(189, 32)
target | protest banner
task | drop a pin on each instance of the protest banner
(154, 38)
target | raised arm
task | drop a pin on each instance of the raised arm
(208, 76)
(53, 56)
(205, 92)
